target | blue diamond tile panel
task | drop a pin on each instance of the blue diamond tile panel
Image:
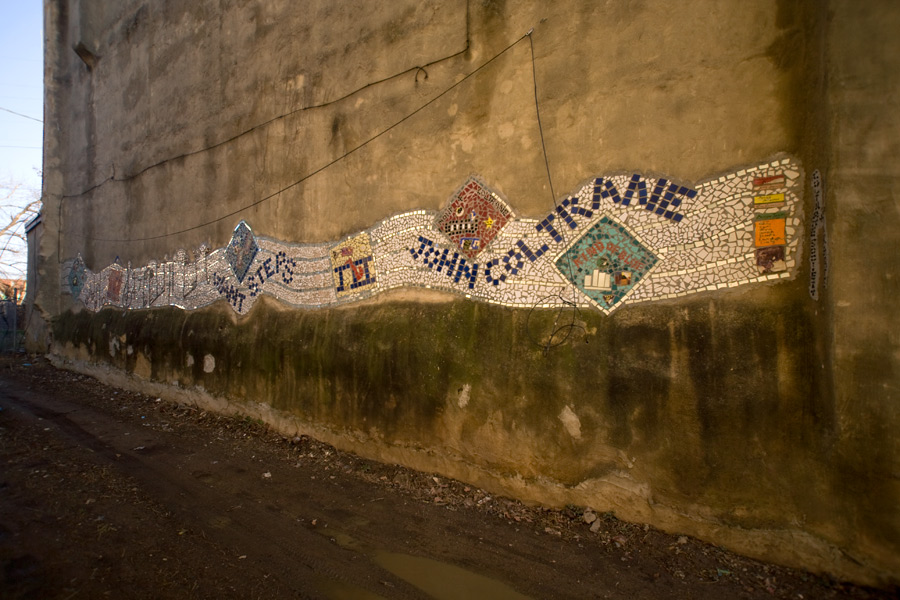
(241, 250)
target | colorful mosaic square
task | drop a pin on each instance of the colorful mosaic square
(76, 277)
(770, 230)
(770, 182)
(353, 265)
(769, 199)
(241, 250)
(476, 216)
(770, 260)
(606, 263)
(114, 285)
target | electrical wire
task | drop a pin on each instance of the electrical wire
(552, 341)
(556, 328)
(316, 171)
(415, 69)
(20, 114)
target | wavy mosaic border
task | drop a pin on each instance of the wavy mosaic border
(618, 239)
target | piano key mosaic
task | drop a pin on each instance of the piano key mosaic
(617, 240)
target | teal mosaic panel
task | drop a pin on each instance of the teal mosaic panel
(606, 263)
(76, 277)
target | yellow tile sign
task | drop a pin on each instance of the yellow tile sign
(769, 232)
(769, 199)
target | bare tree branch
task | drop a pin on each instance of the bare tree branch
(18, 205)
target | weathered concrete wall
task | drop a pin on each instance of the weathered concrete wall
(863, 257)
(178, 85)
(757, 418)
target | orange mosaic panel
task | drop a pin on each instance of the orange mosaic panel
(769, 232)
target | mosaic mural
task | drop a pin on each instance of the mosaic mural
(619, 239)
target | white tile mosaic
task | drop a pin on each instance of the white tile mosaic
(618, 239)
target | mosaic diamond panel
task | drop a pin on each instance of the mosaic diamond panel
(241, 250)
(475, 217)
(606, 262)
(617, 240)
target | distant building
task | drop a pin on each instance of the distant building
(13, 289)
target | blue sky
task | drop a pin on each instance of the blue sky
(21, 91)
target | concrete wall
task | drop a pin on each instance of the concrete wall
(755, 416)
(863, 219)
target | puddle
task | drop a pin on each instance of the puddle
(440, 580)
(443, 581)
(337, 590)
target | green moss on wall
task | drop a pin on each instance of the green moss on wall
(699, 392)
(708, 403)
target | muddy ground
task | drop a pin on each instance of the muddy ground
(108, 493)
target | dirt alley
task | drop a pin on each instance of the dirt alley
(109, 493)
